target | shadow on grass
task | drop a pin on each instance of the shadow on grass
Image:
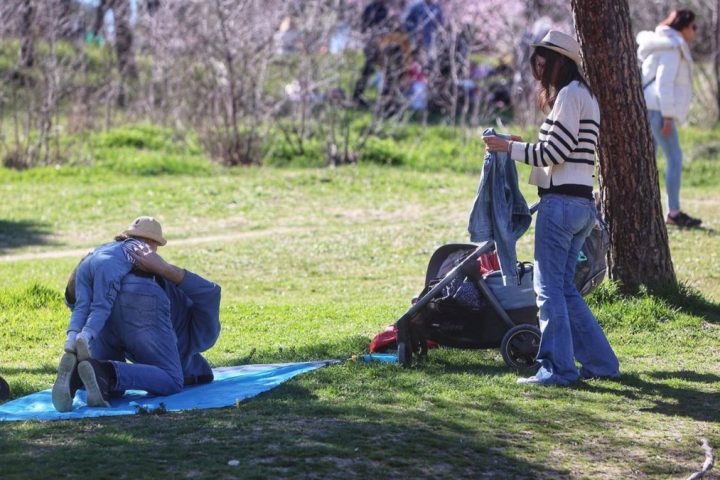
(354, 421)
(690, 300)
(681, 296)
(357, 344)
(288, 432)
(670, 400)
(15, 234)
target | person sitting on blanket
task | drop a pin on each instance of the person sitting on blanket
(163, 318)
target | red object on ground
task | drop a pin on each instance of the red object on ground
(387, 340)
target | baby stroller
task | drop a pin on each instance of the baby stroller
(497, 316)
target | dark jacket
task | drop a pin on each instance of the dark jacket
(373, 15)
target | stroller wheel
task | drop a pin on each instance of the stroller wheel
(422, 349)
(519, 346)
(404, 353)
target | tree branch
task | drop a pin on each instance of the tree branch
(709, 460)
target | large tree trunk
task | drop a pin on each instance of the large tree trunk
(639, 251)
(124, 39)
(716, 22)
(27, 36)
(99, 17)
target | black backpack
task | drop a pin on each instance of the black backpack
(592, 263)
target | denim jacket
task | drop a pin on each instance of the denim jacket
(195, 314)
(97, 282)
(500, 212)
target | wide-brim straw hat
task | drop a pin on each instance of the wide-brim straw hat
(561, 43)
(146, 227)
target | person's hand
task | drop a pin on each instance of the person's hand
(150, 262)
(154, 263)
(496, 144)
(516, 138)
(667, 126)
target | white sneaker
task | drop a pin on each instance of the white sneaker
(70, 342)
(82, 346)
(65, 386)
(530, 381)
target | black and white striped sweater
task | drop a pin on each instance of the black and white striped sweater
(565, 152)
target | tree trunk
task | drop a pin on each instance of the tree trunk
(639, 251)
(716, 59)
(124, 39)
(99, 17)
(27, 42)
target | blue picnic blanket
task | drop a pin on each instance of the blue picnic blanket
(379, 357)
(231, 384)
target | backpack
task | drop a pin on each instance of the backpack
(592, 265)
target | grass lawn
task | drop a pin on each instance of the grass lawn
(313, 263)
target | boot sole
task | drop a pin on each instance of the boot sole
(61, 398)
(82, 349)
(94, 395)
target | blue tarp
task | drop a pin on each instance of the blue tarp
(232, 384)
(379, 357)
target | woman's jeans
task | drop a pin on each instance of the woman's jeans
(671, 147)
(140, 330)
(569, 329)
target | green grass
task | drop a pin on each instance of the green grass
(313, 263)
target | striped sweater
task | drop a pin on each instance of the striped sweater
(563, 159)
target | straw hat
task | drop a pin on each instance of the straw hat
(561, 43)
(146, 227)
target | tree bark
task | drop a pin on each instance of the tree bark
(629, 186)
(124, 39)
(716, 58)
(99, 17)
(27, 42)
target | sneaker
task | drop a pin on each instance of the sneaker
(67, 383)
(82, 346)
(99, 380)
(683, 220)
(70, 342)
(531, 381)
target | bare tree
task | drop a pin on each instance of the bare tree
(716, 57)
(210, 67)
(27, 36)
(639, 252)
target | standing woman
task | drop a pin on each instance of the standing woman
(563, 161)
(667, 85)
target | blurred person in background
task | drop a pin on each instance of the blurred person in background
(667, 84)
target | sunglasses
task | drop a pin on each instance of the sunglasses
(694, 27)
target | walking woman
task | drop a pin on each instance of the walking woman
(563, 161)
(667, 85)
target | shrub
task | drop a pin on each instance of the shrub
(148, 163)
(384, 152)
(279, 152)
(141, 137)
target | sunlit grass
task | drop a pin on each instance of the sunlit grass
(313, 263)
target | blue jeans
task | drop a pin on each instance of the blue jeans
(140, 330)
(671, 147)
(569, 329)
